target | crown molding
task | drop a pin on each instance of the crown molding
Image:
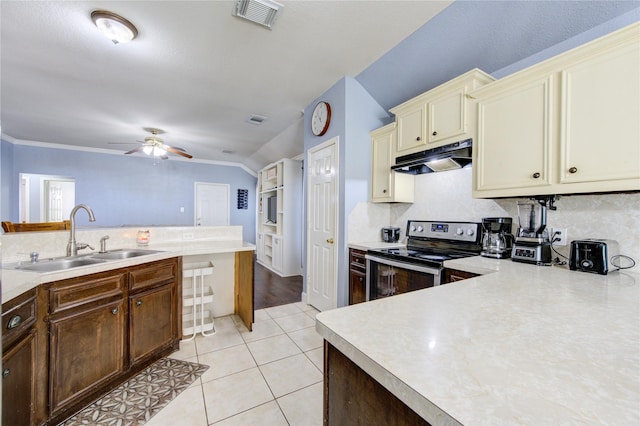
(48, 145)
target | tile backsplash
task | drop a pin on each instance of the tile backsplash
(447, 196)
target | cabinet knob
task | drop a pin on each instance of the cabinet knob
(418, 138)
(434, 133)
(384, 191)
(536, 175)
(6, 372)
(114, 311)
(573, 170)
(14, 322)
(139, 302)
(361, 279)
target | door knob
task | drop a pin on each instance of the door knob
(330, 240)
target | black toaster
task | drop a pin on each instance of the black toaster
(592, 255)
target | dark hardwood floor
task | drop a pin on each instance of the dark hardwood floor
(270, 289)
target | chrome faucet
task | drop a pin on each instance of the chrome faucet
(72, 246)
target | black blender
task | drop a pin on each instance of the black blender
(533, 244)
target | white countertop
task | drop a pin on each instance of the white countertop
(16, 282)
(523, 345)
(369, 245)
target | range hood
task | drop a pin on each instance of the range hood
(448, 157)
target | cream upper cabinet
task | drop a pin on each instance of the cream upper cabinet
(388, 186)
(447, 116)
(567, 125)
(438, 117)
(600, 134)
(412, 127)
(513, 144)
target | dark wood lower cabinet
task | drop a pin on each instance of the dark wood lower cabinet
(152, 325)
(352, 397)
(19, 360)
(453, 275)
(87, 350)
(243, 287)
(19, 382)
(76, 339)
(357, 276)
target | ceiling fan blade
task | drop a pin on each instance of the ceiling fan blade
(177, 151)
(138, 149)
(164, 157)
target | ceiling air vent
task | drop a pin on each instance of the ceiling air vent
(262, 12)
(256, 119)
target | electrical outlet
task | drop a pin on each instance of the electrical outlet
(560, 236)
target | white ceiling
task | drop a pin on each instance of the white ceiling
(195, 71)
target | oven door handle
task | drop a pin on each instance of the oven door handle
(403, 265)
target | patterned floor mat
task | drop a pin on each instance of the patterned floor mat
(141, 397)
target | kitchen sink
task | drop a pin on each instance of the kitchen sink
(62, 263)
(59, 264)
(123, 254)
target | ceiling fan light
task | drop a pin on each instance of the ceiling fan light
(159, 151)
(114, 27)
(147, 149)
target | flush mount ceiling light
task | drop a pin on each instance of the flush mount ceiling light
(114, 27)
(262, 12)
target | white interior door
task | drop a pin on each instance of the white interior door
(322, 211)
(59, 200)
(211, 204)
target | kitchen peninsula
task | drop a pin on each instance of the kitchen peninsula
(70, 335)
(519, 345)
(191, 243)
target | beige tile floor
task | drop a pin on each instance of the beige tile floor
(270, 376)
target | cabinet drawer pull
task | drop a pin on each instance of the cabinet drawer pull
(6, 372)
(536, 175)
(361, 280)
(114, 311)
(573, 170)
(139, 302)
(434, 133)
(14, 322)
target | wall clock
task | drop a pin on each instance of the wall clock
(321, 118)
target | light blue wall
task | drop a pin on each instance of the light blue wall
(127, 190)
(351, 104)
(489, 35)
(6, 180)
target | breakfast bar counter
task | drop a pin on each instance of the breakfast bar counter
(166, 241)
(520, 345)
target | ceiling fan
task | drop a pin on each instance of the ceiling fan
(154, 145)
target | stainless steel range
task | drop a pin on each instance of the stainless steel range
(420, 264)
